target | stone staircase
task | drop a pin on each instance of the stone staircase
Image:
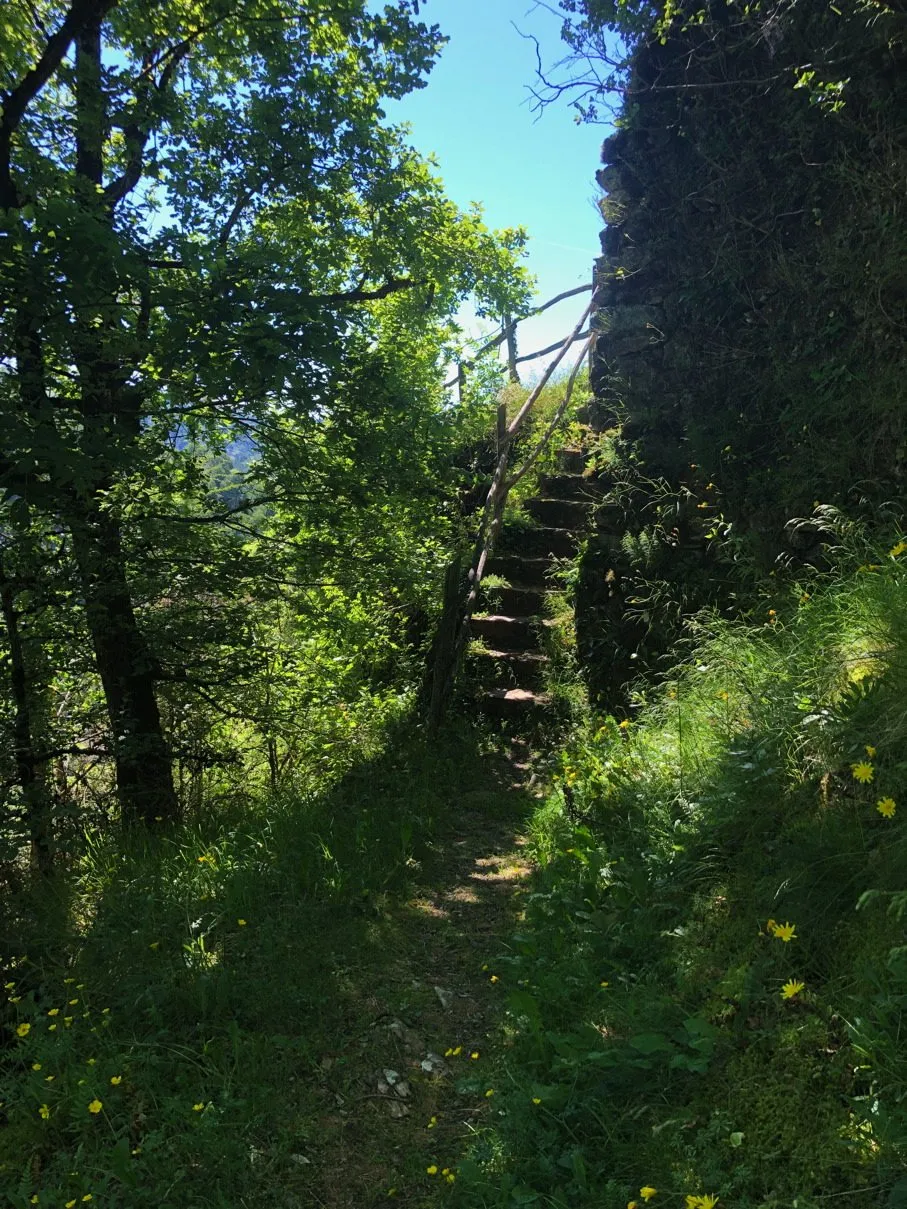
(511, 665)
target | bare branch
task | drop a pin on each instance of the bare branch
(543, 352)
(498, 340)
(392, 286)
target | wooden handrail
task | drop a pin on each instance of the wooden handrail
(509, 325)
(450, 652)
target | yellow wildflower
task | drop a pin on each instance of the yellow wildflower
(44, 1112)
(450, 1177)
(116, 1080)
(474, 1054)
(785, 932)
(625, 725)
(457, 1050)
(536, 1100)
(73, 1002)
(791, 988)
(870, 750)
(432, 1169)
(51, 1028)
(67, 1021)
(68, 981)
(36, 1066)
(88, 1197)
(632, 1204)
(490, 1092)
(494, 978)
(69, 1204)
(23, 1030)
(886, 807)
(862, 772)
(241, 923)
(604, 984)
(647, 1192)
(198, 1108)
(95, 1107)
(897, 550)
(432, 1123)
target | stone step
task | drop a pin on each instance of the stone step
(560, 514)
(539, 543)
(512, 703)
(572, 486)
(509, 669)
(520, 569)
(571, 461)
(505, 633)
(517, 600)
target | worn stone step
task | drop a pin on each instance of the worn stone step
(539, 543)
(560, 514)
(520, 569)
(572, 486)
(517, 600)
(513, 703)
(505, 633)
(509, 669)
(571, 461)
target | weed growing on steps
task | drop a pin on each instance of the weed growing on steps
(705, 997)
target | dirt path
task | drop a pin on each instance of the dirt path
(408, 1093)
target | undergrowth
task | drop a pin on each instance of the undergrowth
(170, 1003)
(705, 996)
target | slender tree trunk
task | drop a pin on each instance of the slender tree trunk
(31, 778)
(127, 670)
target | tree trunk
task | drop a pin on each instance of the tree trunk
(31, 778)
(127, 670)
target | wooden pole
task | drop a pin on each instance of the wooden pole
(510, 336)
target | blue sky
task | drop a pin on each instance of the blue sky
(526, 169)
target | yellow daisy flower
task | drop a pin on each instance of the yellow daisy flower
(886, 807)
(862, 772)
(791, 988)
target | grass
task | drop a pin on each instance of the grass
(201, 1020)
(650, 1040)
(208, 1020)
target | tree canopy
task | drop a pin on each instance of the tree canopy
(211, 235)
